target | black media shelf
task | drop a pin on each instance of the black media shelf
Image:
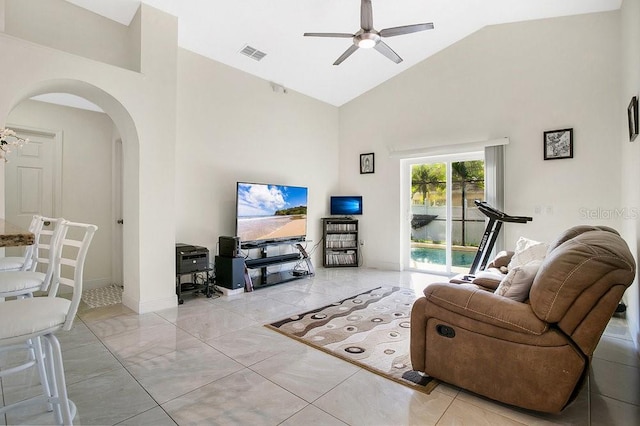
(341, 242)
(267, 278)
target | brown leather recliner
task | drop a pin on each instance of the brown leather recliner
(535, 354)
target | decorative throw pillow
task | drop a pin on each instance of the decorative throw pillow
(488, 278)
(527, 251)
(517, 283)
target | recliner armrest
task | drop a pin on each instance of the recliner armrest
(470, 301)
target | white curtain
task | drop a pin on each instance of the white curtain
(494, 183)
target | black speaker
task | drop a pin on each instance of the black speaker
(230, 272)
(229, 246)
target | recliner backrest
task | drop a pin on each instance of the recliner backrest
(581, 267)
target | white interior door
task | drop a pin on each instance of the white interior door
(32, 181)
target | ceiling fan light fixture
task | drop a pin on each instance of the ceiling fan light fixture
(366, 43)
(366, 40)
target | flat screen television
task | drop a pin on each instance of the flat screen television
(269, 213)
(346, 205)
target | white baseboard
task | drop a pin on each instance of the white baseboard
(149, 305)
(228, 292)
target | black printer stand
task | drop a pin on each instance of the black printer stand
(192, 260)
(193, 287)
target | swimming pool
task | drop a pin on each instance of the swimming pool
(436, 256)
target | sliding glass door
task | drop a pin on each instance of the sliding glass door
(446, 226)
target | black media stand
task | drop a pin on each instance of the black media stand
(263, 262)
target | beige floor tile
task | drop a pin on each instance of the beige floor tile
(119, 324)
(617, 350)
(312, 416)
(614, 380)
(194, 308)
(84, 362)
(305, 300)
(109, 399)
(610, 412)
(305, 372)
(243, 398)
(103, 400)
(617, 327)
(106, 312)
(463, 413)
(253, 344)
(213, 322)
(137, 345)
(259, 311)
(154, 417)
(368, 399)
(79, 335)
(575, 414)
(447, 389)
(174, 374)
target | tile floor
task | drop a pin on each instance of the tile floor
(211, 361)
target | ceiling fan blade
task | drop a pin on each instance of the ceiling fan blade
(346, 54)
(388, 52)
(337, 35)
(366, 15)
(406, 29)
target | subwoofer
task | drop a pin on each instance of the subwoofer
(230, 272)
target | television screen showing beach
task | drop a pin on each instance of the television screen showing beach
(271, 212)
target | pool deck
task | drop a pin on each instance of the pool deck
(442, 247)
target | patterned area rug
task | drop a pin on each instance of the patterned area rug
(103, 296)
(370, 330)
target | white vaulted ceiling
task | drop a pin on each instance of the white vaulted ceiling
(220, 29)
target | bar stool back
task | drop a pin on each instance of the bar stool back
(32, 318)
(25, 283)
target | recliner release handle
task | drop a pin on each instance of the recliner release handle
(445, 330)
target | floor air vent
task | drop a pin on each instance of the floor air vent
(252, 52)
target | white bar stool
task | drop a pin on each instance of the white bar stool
(25, 283)
(27, 320)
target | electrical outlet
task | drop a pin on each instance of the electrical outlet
(361, 242)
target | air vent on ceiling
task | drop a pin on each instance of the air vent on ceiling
(252, 52)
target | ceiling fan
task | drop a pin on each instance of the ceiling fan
(367, 37)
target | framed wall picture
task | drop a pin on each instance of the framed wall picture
(366, 163)
(558, 144)
(632, 117)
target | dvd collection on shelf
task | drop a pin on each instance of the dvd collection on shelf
(340, 257)
(341, 227)
(341, 241)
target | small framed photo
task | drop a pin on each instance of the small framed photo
(632, 117)
(558, 144)
(366, 163)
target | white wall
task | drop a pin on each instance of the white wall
(233, 127)
(143, 107)
(515, 80)
(630, 41)
(65, 26)
(86, 174)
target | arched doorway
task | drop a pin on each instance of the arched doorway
(125, 133)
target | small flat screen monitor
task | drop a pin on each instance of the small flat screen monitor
(346, 205)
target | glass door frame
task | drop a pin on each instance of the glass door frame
(405, 205)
